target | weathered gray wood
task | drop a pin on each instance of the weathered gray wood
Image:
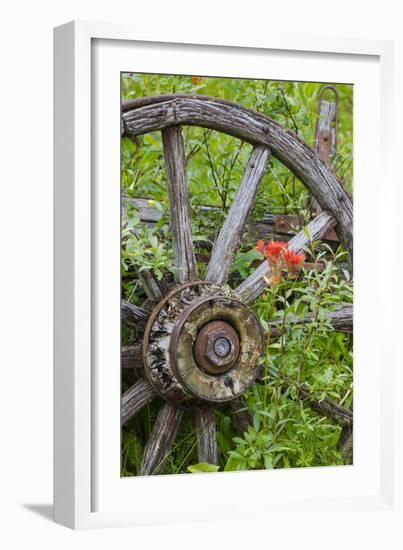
(179, 219)
(325, 131)
(150, 284)
(161, 439)
(341, 320)
(135, 398)
(132, 357)
(133, 315)
(205, 425)
(153, 113)
(255, 284)
(325, 142)
(230, 236)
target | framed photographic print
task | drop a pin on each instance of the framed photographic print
(204, 281)
(229, 303)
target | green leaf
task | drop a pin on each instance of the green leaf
(203, 467)
(256, 421)
(306, 231)
(268, 462)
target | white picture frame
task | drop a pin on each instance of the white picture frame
(88, 490)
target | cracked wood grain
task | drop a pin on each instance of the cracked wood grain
(135, 398)
(133, 315)
(161, 439)
(205, 424)
(132, 357)
(230, 236)
(179, 219)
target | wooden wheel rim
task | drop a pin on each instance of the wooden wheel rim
(153, 113)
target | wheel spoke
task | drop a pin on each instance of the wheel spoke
(205, 425)
(255, 284)
(161, 439)
(231, 232)
(150, 284)
(135, 398)
(133, 315)
(132, 357)
(184, 258)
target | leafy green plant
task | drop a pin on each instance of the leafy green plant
(257, 450)
(243, 262)
(203, 467)
(143, 248)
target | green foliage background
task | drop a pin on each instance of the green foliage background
(285, 432)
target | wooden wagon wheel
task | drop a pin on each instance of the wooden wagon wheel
(202, 343)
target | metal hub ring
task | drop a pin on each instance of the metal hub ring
(202, 343)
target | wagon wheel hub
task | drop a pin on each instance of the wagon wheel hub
(216, 348)
(202, 343)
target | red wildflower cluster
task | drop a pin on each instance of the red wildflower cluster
(280, 258)
(196, 80)
(293, 260)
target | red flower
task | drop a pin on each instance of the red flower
(260, 247)
(196, 80)
(273, 251)
(280, 259)
(293, 260)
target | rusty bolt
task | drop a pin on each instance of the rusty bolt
(216, 347)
